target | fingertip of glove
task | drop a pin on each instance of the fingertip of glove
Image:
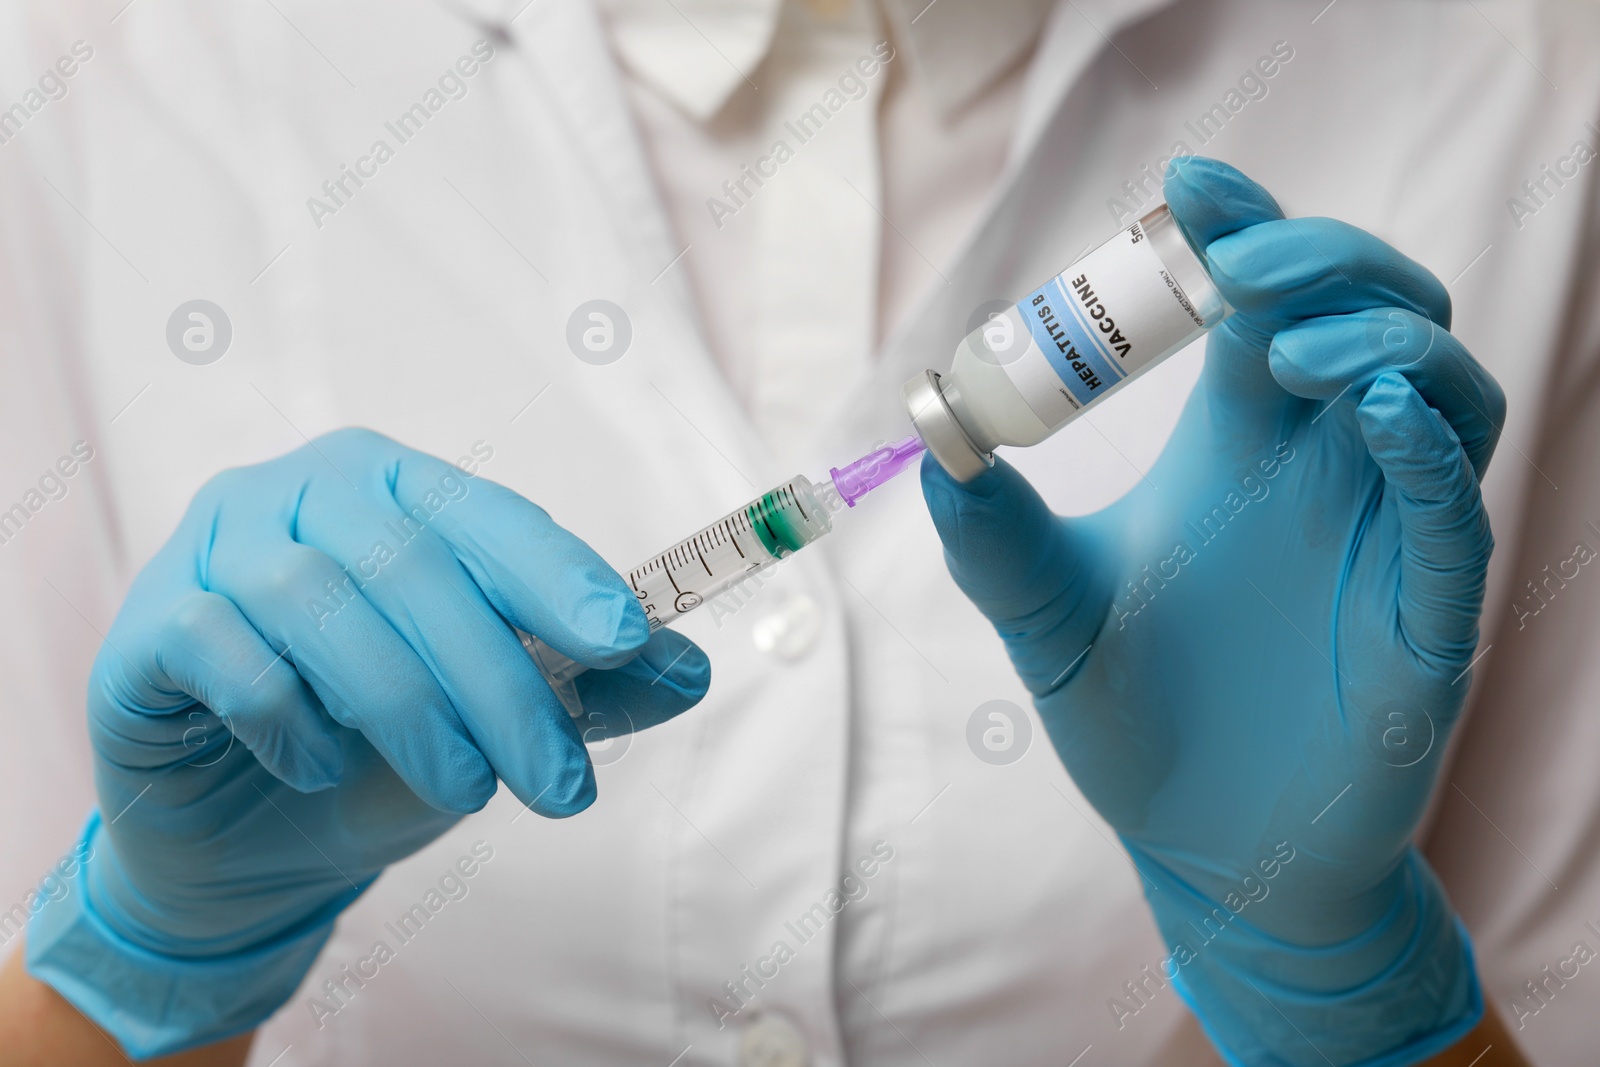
(988, 515)
(951, 504)
(460, 784)
(1396, 419)
(935, 479)
(674, 660)
(309, 777)
(1211, 199)
(612, 624)
(1293, 357)
(465, 801)
(1388, 395)
(632, 630)
(572, 791)
(1414, 445)
(325, 755)
(308, 761)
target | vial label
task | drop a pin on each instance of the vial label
(1099, 322)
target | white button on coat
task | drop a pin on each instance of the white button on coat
(773, 1041)
(790, 629)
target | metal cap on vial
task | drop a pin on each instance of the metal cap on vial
(940, 430)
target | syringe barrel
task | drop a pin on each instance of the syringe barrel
(742, 543)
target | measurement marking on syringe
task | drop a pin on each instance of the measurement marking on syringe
(771, 525)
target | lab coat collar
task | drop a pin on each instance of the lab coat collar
(960, 47)
(694, 53)
(1075, 33)
(569, 46)
(493, 17)
(566, 45)
(697, 53)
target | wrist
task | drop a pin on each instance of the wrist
(157, 999)
(1402, 989)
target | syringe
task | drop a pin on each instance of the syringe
(768, 529)
(774, 525)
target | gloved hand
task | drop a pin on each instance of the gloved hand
(313, 678)
(1251, 664)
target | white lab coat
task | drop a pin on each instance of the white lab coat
(433, 306)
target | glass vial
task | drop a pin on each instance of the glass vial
(1027, 372)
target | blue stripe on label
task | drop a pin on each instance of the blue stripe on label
(1098, 343)
(1069, 342)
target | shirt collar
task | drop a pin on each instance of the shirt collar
(697, 53)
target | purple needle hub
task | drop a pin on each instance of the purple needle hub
(858, 479)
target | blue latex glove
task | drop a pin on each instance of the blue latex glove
(1281, 619)
(268, 737)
